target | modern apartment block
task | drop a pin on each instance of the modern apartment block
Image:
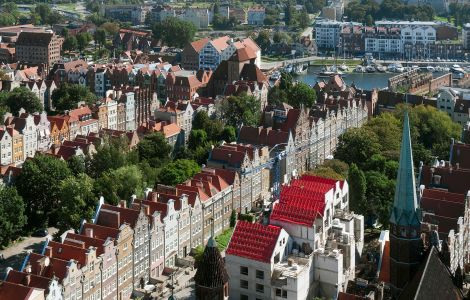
(307, 249)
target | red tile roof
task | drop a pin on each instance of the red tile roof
(199, 44)
(453, 179)
(303, 200)
(13, 291)
(33, 280)
(74, 239)
(126, 215)
(254, 241)
(101, 232)
(56, 267)
(67, 252)
(461, 155)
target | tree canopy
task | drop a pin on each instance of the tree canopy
(68, 96)
(77, 201)
(155, 149)
(12, 215)
(178, 172)
(243, 109)
(120, 184)
(174, 32)
(301, 94)
(39, 185)
(21, 97)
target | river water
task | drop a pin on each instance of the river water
(365, 81)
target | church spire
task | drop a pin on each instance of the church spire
(405, 211)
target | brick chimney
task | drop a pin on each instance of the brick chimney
(109, 218)
(89, 232)
(48, 251)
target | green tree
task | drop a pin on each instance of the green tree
(174, 32)
(43, 11)
(379, 195)
(289, 13)
(76, 164)
(100, 37)
(357, 145)
(120, 184)
(70, 44)
(326, 172)
(281, 37)
(229, 134)
(155, 149)
(12, 215)
(269, 21)
(233, 218)
(243, 109)
(39, 185)
(68, 96)
(300, 95)
(263, 39)
(357, 190)
(178, 172)
(338, 166)
(111, 154)
(77, 201)
(304, 19)
(111, 28)
(83, 40)
(54, 18)
(7, 19)
(197, 138)
(22, 97)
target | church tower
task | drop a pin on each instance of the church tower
(211, 279)
(405, 219)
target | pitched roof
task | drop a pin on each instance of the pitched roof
(431, 281)
(262, 136)
(28, 279)
(13, 291)
(220, 43)
(461, 154)
(303, 201)
(254, 241)
(384, 274)
(126, 215)
(243, 54)
(55, 266)
(452, 179)
(67, 252)
(405, 204)
(101, 232)
(199, 44)
(75, 239)
(211, 270)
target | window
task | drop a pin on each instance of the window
(243, 270)
(243, 284)
(278, 292)
(284, 294)
(259, 288)
(259, 274)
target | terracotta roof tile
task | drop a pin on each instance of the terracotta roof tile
(13, 291)
(254, 241)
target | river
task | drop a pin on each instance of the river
(366, 81)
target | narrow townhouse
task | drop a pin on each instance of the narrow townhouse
(86, 123)
(17, 145)
(124, 255)
(67, 272)
(250, 164)
(51, 286)
(106, 251)
(60, 130)
(138, 221)
(27, 127)
(180, 112)
(6, 147)
(43, 131)
(88, 262)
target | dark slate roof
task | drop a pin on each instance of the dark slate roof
(34, 38)
(211, 271)
(432, 281)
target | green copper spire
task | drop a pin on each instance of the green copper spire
(405, 211)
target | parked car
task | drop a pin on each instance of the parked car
(40, 233)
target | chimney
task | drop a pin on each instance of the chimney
(28, 268)
(27, 280)
(123, 204)
(89, 232)
(48, 251)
